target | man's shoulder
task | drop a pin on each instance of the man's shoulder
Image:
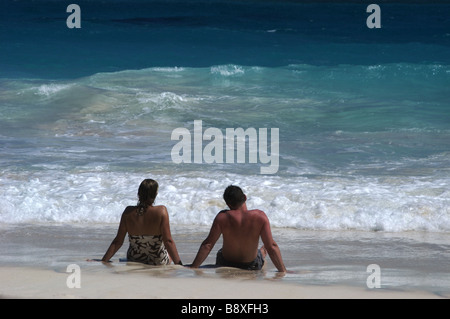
(257, 212)
(222, 214)
(258, 216)
(252, 213)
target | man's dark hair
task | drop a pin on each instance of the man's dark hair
(234, 196)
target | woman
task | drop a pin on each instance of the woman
(148, 230)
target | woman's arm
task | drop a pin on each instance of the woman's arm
(167, 237)
(117, 241)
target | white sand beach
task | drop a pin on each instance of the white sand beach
(26, 282)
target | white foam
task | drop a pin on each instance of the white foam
(50, 89)
(227, 70)
(168, 69)
(160, 101)
(325, 203)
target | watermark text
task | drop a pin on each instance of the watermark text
(74, 279)
(74, 19)
(374, 19)
(374, 279)
(190, 146)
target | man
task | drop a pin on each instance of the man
(241, 229)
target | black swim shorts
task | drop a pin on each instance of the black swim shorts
(256, 264)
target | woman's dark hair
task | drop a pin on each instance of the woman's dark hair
(147, 193)
(234, 196)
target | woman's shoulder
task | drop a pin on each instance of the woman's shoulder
(129, 209)
(160, 208)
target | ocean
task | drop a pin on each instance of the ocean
(361, 114)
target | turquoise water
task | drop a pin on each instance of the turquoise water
(363, 114)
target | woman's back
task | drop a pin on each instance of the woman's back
(145, 223)
(148, 230)
(146, 235)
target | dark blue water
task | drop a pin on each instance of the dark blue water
(121, 35)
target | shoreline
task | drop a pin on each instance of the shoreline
(321, 264)
(35, 283)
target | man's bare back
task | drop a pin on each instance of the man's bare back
(238, 227)
(241, 229)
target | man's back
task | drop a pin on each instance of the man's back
(241, 230)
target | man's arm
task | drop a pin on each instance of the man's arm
(208, 243)
(271, 246)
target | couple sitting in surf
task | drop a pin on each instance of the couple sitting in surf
(151, 241)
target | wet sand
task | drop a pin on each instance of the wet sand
(37, 263)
